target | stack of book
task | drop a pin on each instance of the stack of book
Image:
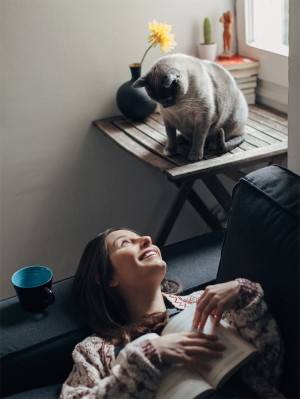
(245, 71)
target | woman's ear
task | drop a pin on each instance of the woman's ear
(113, 283)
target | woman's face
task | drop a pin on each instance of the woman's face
(136, 261)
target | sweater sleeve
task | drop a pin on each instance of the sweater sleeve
(250, 317)
(92, 377)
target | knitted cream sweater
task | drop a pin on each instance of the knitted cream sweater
(139, 374)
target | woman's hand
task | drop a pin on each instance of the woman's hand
(214, 301)
(195, 350)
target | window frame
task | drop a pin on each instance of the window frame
(273, 72)
(249, 33)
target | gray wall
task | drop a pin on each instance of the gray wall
(294, 87)
(62, 181)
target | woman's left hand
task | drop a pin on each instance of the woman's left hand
(214, 301)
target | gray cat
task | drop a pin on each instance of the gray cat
(201, 100)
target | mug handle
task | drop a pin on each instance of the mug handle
(50, 298)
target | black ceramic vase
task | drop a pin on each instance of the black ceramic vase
(134, 103)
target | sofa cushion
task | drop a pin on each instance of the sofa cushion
(194, 262)
(48, 392)
(262, 244)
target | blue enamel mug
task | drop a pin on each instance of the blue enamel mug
(33, 286)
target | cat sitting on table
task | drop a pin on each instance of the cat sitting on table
(201, 100)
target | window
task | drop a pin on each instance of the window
(257, 20)
(267, 25)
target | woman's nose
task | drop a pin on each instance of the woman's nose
(145, 241)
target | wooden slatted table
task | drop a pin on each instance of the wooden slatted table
(266, 140)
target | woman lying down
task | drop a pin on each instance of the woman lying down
(122, 291)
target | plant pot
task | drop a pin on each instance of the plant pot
(134, 103)
(208, 51)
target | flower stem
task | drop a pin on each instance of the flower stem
(146, 52)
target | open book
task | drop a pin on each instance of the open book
(179, 382)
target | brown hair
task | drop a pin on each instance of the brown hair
(103, 306)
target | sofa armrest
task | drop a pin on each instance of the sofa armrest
(36, 348)
(262, 244)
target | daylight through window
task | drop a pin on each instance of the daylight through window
(267, 25)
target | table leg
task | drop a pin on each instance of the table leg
(185, 192)
(173, 212)
(204, 212)
(219, 191)
(278, 160)
(235, 174)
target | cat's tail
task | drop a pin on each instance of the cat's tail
(226, 146)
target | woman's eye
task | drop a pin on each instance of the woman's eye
(125, 242)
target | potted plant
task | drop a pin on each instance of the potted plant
(208, 50)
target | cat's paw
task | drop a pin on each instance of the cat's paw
(195, 156)
(170, 151)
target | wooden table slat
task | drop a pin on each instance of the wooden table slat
(235, 150)
(256, 142)
(273, 115)
(132, 146)
(266, 129)
(216, 165)
(149, 131)
(261, 135)
(268, 125)
(245, 145)
(268, 122)
(149, 143)
(156, 125)
(157, 117)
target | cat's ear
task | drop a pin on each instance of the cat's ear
(171, 76)
(140, 82)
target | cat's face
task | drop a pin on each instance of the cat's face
(163, 87)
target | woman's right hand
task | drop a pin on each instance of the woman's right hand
(194, 350)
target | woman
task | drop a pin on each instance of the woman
(121, 288)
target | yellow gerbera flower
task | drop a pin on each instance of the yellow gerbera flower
(160, 35)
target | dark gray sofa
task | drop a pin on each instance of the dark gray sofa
(260, 242)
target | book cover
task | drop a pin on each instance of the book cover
(245, 79)
(246, 85)
(248, 91)
(238, 62)
(246, 72)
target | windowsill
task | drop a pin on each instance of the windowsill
(279, 50)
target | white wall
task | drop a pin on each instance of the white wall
(62, 181)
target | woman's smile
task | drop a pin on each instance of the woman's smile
(147, 254)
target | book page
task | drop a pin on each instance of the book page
(236, 353)
(181, 322)
(180, 383)
(237, 348)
